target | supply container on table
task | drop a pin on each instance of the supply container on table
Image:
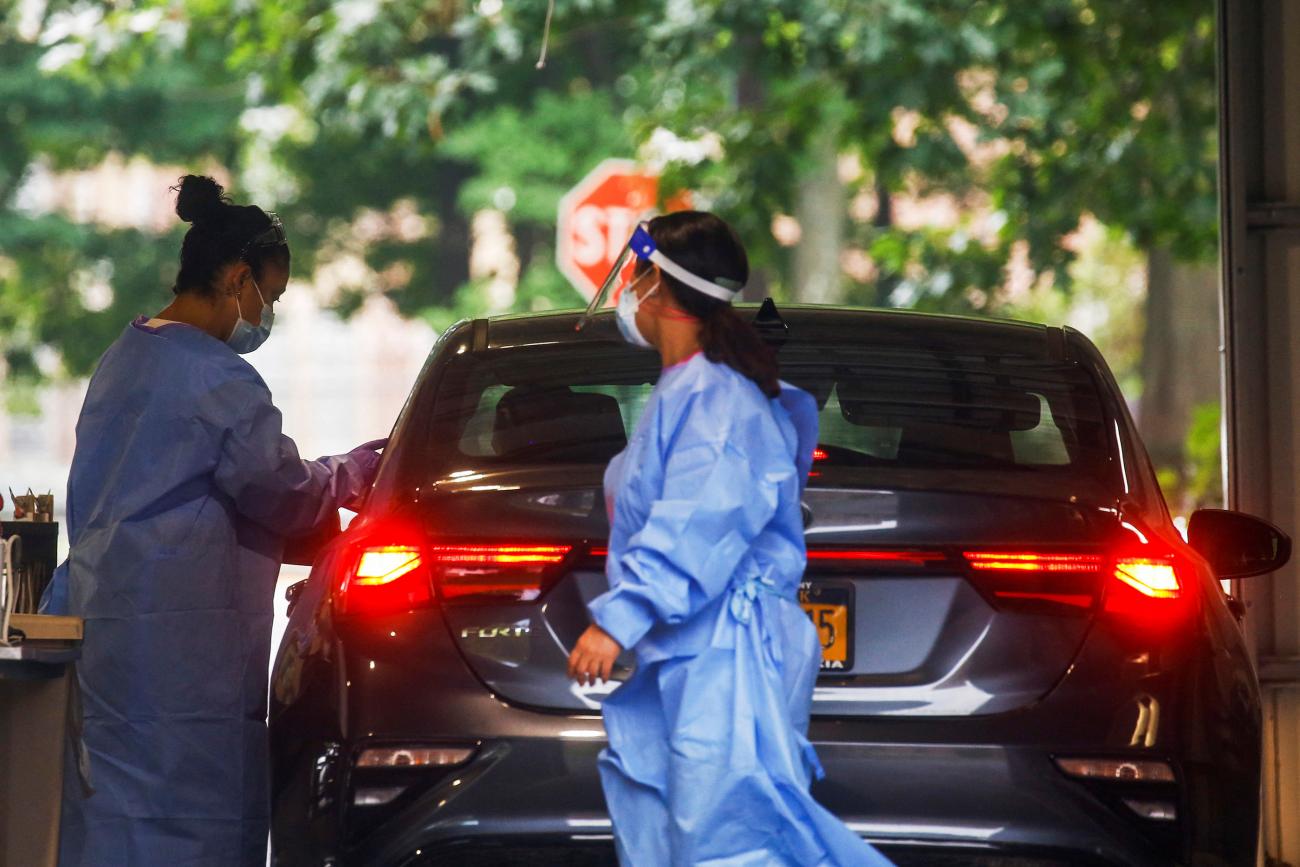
(35, 559)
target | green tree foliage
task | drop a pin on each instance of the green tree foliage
(54, 272)
(1020, 117)
(1111, 108)
(1203, 474)
(1079, 106)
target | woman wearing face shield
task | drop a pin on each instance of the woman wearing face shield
(182, 492)
(708, 760)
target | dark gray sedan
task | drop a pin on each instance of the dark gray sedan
(1024, 663)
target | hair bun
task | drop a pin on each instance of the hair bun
(199, 198)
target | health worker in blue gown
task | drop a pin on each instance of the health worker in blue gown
(708, 760)
(182, 492)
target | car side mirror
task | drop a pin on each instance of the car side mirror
(1237, 545)
(302, 550)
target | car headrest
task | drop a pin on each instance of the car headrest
(964, 402)
(557, 423)
(947, 445)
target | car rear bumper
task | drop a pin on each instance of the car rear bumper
(922, 804)
(542, 852)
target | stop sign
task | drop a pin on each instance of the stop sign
(597, 218)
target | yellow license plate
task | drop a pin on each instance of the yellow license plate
(830, 607)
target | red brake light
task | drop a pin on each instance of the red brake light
(499, 555)
(1146, 587)
(1140, 582)
(382, 579)
(1149, 576)
(387, 578)
(842, 555)
(385, 565)
(1023, 561)
(1149, 580)
(819, 454)
(1036, 577)
(513, 573)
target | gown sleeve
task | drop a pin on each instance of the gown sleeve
(801, 407)
(260, 470)
(711, 507)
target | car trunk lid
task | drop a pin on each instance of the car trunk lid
(922, 625)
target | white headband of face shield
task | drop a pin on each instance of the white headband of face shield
(699, 284)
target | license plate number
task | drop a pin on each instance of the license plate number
(830, 607)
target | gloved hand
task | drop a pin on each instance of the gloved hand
(359, 467)
(368, 457)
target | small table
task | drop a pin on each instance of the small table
(35, 677)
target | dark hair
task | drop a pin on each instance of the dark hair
(220, 233)
(705, 245)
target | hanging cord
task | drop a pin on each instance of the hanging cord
(546, 33)
(9, 598)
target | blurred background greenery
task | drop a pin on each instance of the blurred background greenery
(1051, 161)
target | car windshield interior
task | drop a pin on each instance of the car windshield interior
(884, 408)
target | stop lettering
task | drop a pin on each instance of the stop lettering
(597, 218)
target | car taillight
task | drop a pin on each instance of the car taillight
(861, 556)
(384, 565)
(500, 572)
(1141, 581)
(1020, 561)
(1037, 578)
(383, 578)
(1150, 577)
(386, 578)
(1146, 586)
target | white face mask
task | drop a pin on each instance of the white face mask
(628, 304)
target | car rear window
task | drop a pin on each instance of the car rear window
(552, 404)
(880, 409)
(929, 409)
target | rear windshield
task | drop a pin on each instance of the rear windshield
(553, 404)
(880, 409)
(927, 409)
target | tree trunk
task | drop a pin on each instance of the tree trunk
(820, 209)
(750, 94)
(886, 282)
(1180, 355)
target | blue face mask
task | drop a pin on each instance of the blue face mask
(246, 336)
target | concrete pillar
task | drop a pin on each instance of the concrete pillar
(1260, 176)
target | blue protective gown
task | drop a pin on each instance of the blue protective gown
(182, 489)
(708, 760)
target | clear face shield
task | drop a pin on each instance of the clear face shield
(272, 236)
(641, 248)
(620, 277)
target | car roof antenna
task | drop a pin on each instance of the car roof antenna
(770, 326)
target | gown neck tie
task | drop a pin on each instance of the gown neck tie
(745, 593)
